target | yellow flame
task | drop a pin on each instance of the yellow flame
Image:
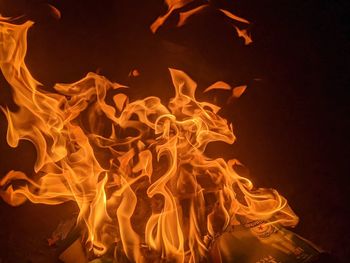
(137, 169)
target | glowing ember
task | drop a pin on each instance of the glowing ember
(137, 170)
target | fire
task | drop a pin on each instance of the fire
(137, 170)
(177, 5)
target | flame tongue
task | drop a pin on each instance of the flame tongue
(137, 170)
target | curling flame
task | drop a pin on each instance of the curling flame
(137, 169)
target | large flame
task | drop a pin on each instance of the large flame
(137, 170)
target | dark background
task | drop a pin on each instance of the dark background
(291, 124)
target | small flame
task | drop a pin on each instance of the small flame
(238, 91)
(183, 16)
(176, 5)
(219, 85)
(54, 11)
(245, 35)
(137, 170)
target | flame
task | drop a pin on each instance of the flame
(219, 85)
(238, 91)
(243, 33)
(177, 5)
(137, 170)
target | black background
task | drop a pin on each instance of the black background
(291, 124)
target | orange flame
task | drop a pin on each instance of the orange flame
(137, 169)
(176, 5)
